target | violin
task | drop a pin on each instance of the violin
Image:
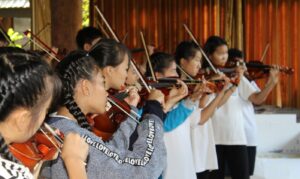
(256, 69)
(104, 125)
(43, 146)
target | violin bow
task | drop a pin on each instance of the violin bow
(148, 57)
(201, 50)
(184, 72)
(102, 29)
(38, 33)
(125, 37)
(265, 52)
(41, 47)
(49, 128)
(116, 39)
(6, 37)
(107, 24)
(128, 114)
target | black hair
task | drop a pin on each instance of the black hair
(186, 50)
(87, 35)
(109, 52)
(23, 83)
(210, 46)
(159, 62)
(74, 67)
(7, 50)
(235, 53)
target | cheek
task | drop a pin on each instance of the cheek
(216, 60)
(40, 120)
(123, 76)
(195, 67)
(35, 125)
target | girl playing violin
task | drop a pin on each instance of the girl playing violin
(250, 128)
(198, 138)
(172, 94)
(85, 87)
(228, 126)
(27, 88)
(179, 153)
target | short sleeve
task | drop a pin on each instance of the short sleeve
(245, 88)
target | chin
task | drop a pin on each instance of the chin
(24, 139)
(102, 110)
(194, 73)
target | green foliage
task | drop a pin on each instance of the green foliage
(85, 13)
(14, 36)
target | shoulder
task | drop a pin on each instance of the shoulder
(10, 169)
(66, 126)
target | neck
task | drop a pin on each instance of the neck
(63, 111)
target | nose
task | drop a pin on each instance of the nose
(198, 66)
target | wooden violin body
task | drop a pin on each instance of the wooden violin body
(257, 70)
(37, 148)
(105, 125)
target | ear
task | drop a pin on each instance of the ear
(107, 71)
(85, 87)
(21, 119)
(182, 62)
(87, 47)
(158, 75)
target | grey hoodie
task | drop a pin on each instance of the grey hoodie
(113, 160)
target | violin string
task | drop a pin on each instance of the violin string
(129, 115)
(56, 136)
(53, 132)
(50, 140)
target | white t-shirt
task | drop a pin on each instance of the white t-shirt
(180, 164)
(228, 121)
(203, 144)
(249, 116)
(10, 169)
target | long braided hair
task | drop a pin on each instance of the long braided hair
(25, 81)
(74, 67)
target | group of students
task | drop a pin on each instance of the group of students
(190, 132)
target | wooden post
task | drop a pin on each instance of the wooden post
(66, 20)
